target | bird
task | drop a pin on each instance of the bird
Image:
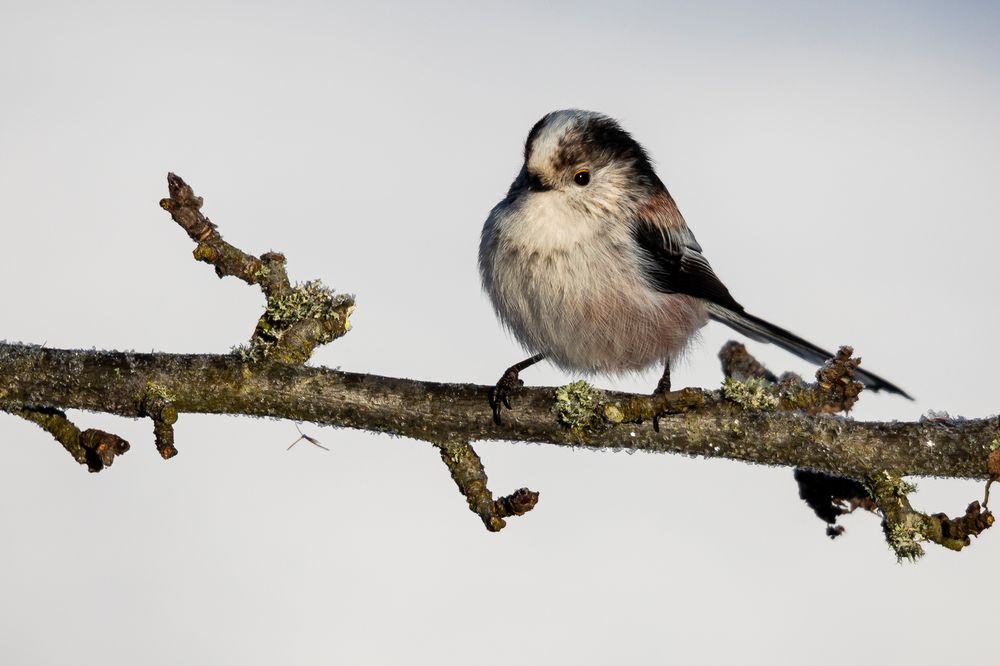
(589, 263)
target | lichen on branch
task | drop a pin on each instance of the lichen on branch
(297, 319)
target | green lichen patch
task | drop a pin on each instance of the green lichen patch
(259, 272)
(307, 302)
(904, 528)
(995, 442)
(580, 407)
(904, 538)
(613, 413)
(154, 389)
(753, 394)
(905, 487)
(243, 352)
(891, 485)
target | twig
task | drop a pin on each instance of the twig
(741, 366)
(94, 448)
(298, 318)
(906, 528)
(469, 475)
(157, 405)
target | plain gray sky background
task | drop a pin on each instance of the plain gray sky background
(831, 158)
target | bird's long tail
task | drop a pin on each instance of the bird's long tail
(756, 328)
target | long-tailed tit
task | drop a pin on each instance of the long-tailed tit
(589, 263)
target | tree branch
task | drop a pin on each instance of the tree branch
(115, 382)
(749, 419)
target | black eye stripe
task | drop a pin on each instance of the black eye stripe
(535, 183)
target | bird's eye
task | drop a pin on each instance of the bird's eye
(581, 177)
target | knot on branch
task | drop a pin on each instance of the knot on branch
(518, 503)
(101, 448)
(157, 404)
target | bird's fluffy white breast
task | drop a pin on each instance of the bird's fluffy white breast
(569, 285)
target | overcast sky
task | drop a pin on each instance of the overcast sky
(837, 161)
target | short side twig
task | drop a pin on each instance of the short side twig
(158, 406)
(298, 318)
(739, 364)
(94, 448)
(906, 528)
(469, 475)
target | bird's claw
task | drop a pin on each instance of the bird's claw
(662, 388)
(500, 394)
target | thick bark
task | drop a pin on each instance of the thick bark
(118, 383)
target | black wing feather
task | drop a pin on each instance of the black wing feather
(675, 265)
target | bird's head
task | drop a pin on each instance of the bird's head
(586, 158)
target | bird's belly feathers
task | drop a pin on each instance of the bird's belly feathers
(586, 310)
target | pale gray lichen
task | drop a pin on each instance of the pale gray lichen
(308, 300)
(454, 452)
(154, 389)
(905, 487)
(904, 528)
(904, 539)
(897, 486)
(613, 413)
(752, 394)
(244, 352)
(261, 273)
(579, 406)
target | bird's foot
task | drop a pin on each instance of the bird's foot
(662, 388)
(500, 394)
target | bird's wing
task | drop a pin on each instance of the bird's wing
(674, 263)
